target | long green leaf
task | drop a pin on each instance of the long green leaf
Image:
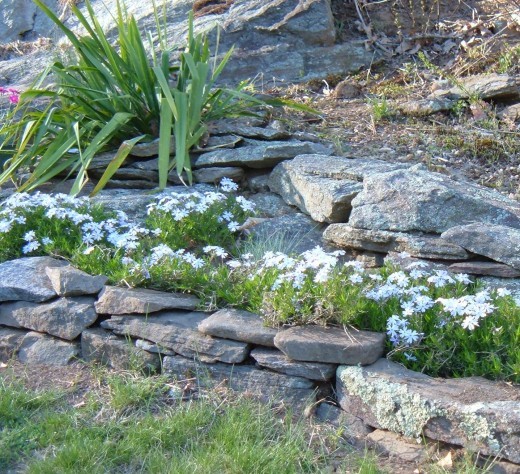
(95, 145)
(165, 134)
(119, 158)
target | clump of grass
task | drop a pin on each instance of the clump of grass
(380, 108)
(216, 433)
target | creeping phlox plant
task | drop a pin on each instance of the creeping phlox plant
(436, 322)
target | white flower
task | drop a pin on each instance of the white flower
(470, 322)
(30, 236)
(503, 292)
(463, 278)
(355, 278)
(247, 206)
(233, 226)
(228, 185)
(31, 246)
(218, 251)
(46, 241)
(88, 250)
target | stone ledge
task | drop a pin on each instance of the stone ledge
(471, 412)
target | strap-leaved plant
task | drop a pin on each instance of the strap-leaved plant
(115, 95)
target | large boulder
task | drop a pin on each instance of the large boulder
(282, 41)
(324, 186)
(472, 412)
(419, 200)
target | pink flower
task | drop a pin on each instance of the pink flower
(13, 94)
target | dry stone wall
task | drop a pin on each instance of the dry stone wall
(124, 328)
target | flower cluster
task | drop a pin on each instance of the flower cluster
(12, 94)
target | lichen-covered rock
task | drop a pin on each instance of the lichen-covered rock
(472, 412)
(98, 345)
(178, 331)
(331, 345)
(41, 349)
(419, 200)
(324, 186)
(65, 318)
(116, 300)
(239, 326)
(416, 245)
(25, 279)
(69, 281)
(262, 384)
(498, 242)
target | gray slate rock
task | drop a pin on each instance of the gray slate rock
(225, 127)
(324, 186)
(239, 326)
(41, 349)
(290, 233)
(270, 205)
(332, 345)
(24, 279)
(497, 242)
(511, 113)
(147, 149)
(259, 154)
(16, 18)
(472, 412)
(151, 347)
(133, 202)
(475, 267)
(98, 345)
(178, 332)
(215, 175)
(398, 447)
(10, 340)
(417, 245)
(352, 427)
(276, 360)
(419, 200)
(489, 86)
(69, 281)
(65, 317)
(424, 107)
(262, 384)
(116, 300)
